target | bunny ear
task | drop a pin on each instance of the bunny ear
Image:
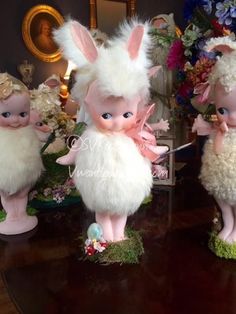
(135, 41)
(84, 41)
(154, 70)
(221, 44)
(76, 43)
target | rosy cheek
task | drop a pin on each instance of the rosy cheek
(3, 121)
(104, 123)
(25, 121)
(128, 123)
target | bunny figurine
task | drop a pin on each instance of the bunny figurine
(218, 174)
(21, 164)
(113, 156)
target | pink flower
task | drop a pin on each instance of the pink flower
(176, 58)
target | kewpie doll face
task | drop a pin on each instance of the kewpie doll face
(14, 111)
(225, 105)
(114, 114)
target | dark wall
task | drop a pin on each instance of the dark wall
(13, 50)
(149, 8)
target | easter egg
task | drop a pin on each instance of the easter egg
(94, 231)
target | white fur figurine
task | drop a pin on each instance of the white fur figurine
(218, 173)
(112, 157)
(20, 159)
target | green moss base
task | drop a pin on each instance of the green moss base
(30, 211)
(123, 252)
(222, 248)
(147, 200)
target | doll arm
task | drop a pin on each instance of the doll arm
(69, 159)
(201, 126)
(162, 125)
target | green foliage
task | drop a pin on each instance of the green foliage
(2, 215)
(30, 211)
(79, 128)
(147, 199)
(161, 38)
(123, 252)
(55, 173)
(222, 248)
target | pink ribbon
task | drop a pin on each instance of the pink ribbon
(143, 135)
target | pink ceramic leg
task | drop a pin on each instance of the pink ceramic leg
(105, 221)
(118, 226)
(232, 237)
(17, 221)
(228, 219)
(69, 159)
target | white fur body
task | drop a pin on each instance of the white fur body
(20, 161)
(111, 174)
(218, 173)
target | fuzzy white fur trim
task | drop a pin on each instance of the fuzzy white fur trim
(224, 71)
(20, 161)
(111, 174)
(117, 74)
(84, 78)
(218, 174)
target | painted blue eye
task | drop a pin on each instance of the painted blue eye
(107, 116)
(127, 115)
(223, 111)
(23, 114)
(6, 114)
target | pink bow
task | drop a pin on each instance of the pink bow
(143, 135)
(221, 129)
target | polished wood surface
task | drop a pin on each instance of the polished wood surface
(43, 272)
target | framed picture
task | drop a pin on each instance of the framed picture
(37, 28)
(106, 14)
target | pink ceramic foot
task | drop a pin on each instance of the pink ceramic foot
(18, 226)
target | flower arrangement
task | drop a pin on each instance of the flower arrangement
(57, 192)
(55, 186)
(46, 101)
(205, 19)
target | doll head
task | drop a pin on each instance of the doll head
(223, 80)
(225, 103)
(111, 113)
(119, 69)
(14, 102)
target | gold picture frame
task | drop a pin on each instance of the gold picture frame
(37, 32)
(131, 11)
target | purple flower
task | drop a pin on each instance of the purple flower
(233, 11)
(208, 6)
(225, 11)
(191, 5)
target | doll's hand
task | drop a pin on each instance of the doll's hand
(162, 125)
(223, 127)
(67, 160)
(201, 126)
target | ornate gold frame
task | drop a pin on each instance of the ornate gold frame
(131, 10)
(26, 31)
